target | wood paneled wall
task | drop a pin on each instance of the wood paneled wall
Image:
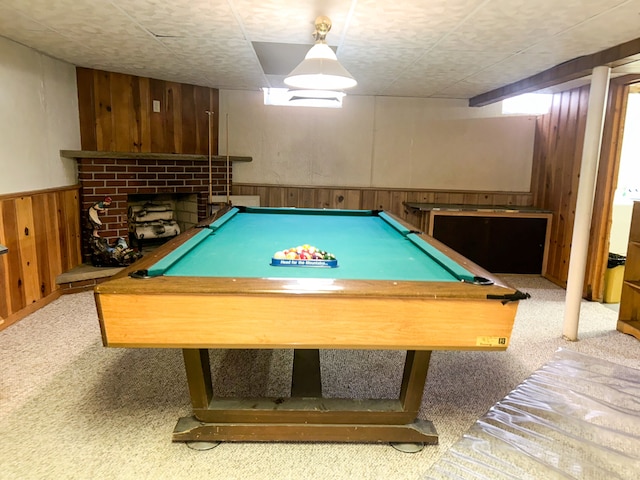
(556, 168)
(555, 173)
(116, 114)
(391, 200)
(42, 231)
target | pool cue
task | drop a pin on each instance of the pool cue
(210, 197)
(228, 182)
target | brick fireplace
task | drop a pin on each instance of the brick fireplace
(119, 178)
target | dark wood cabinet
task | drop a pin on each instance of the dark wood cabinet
(500, 239)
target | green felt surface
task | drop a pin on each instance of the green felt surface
(367, 247)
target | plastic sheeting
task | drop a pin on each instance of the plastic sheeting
(576, 417)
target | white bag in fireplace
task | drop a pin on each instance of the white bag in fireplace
(150, 212)
(159, 229)
(152, 221)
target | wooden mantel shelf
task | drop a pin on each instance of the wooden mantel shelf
(149, 156)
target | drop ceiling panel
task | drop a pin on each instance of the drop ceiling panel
(211, 19)
(514, 25)
(417, 48)
(76, 18)
(441, 68)
(605, 30)
(406, 24)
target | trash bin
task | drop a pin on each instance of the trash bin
(613, 278)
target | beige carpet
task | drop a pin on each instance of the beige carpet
(72, 409)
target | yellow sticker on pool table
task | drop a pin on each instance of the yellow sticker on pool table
(491, 341)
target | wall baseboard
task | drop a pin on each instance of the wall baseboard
(29, 309)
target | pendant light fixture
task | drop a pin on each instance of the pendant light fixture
(320, 69)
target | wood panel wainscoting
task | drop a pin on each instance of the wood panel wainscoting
(367, 198)
(41, 230)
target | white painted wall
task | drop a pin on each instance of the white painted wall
(38, 118)
(370, 142)
(378, 142)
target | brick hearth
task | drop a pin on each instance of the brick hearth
(119, 177)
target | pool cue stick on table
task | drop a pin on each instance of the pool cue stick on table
(210, 191)
(228, 181)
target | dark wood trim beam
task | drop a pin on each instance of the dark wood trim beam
(579, 67)
(148, 156)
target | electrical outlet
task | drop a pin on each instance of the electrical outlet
(156, 106)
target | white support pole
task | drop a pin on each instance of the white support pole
(584, 201)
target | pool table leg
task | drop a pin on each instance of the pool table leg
(305, 378)
(414, 379)
(198, 368)
(306, 415)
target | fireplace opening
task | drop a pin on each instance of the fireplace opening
(154, 219)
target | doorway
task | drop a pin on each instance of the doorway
(627, 191)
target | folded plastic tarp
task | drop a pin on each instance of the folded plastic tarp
(576, 417)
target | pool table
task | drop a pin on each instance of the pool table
(217, 286)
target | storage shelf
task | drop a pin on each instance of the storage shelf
(630, 327)
(628, 321)
(634, 284)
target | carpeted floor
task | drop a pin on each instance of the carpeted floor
(72, 409)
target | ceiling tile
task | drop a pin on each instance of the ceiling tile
(404, 48)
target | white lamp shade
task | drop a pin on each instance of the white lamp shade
(320, 70)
